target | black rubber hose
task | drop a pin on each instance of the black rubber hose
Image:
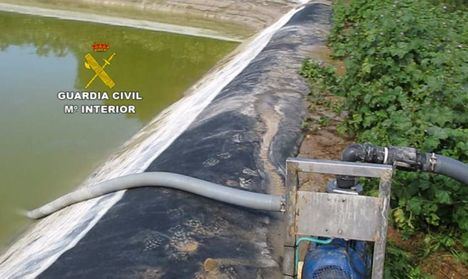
(405, 158)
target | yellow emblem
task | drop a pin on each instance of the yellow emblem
(92, 64)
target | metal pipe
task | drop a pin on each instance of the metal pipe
(169, 180)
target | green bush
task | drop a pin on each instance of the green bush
(399, 264)
(406, 85)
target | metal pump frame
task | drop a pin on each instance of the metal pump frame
(336, 215)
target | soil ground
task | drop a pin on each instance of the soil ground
(239, 19)
(321, 139)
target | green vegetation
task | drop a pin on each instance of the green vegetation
(406, 85)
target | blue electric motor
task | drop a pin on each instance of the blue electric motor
(340, 259)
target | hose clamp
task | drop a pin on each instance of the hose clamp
(283, 205)
(432, 162)
(385, 155)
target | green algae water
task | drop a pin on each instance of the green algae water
(46, 152)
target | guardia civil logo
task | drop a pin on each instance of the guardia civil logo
(92, 64)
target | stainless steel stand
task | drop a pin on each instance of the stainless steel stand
(336, 215)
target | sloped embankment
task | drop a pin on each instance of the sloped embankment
(241, 138)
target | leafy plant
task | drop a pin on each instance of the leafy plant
(406, 84)
(400, 264)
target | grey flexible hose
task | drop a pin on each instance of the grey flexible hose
(168, 180)
(452, 168)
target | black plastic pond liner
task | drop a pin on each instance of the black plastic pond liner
(241, 140)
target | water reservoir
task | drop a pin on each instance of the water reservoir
(47, 152)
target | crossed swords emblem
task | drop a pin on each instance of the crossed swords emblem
(92, 64)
